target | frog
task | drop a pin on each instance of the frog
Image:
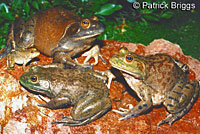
(21, 56)
(56, 32)
(157, 80)
(81, 88)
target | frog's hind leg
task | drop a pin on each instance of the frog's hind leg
(87, 110)
(180, 100)
(183, 66)
(56, 103)
(142, 107)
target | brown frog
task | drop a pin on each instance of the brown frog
(82, 88)
(55, 32)
(157, 79)
(21, 56)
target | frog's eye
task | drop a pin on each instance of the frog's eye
(129, 58)
(33, 50)
(34, 78)
(85, 23)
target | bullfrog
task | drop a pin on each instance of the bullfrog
(21, 56)
(156, 79)
(56, 32)
(81, 88)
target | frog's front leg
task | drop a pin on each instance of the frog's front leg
(93, 52)
(109, 76)
(10, 62)
(143, 106)
(63, 57)
(56, 103)
(87, 110)
(180, 100)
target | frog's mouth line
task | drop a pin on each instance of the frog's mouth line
(137, 76)
(85, 37)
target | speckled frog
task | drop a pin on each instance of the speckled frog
(56, 32)
(156, 79)
(82, 88)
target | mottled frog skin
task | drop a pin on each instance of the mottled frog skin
(55, 32)
(83, 89)
(160, 80)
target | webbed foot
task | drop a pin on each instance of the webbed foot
(126, 113)
(68, 121)
(93, 52)
(171, 118)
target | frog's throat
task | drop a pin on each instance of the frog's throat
(135, 75)
(38, 91)
(85, 37)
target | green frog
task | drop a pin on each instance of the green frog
(21, 56)
(156, 79)
(82, 88)
(56, 32)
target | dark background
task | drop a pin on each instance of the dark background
(122, 21)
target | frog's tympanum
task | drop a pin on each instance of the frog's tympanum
(158, 80)
(21, 56)
(55, 32)
(83, 88)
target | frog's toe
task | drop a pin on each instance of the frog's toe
(126, 113)
(76, 123)
(127, 116)
(93, 53)
(160, 123)
(123, 109)
(44, 105)
(164, 122)
(86, 61)
(70, 122)
(101, 57)
(66, 120)
(171, 118)
(122, 112)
